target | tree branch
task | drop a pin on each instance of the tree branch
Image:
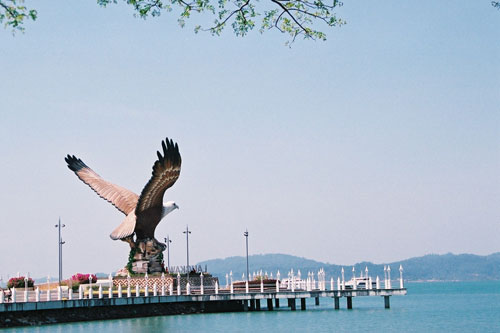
(293, 18)
(8, 9)
(230, 15)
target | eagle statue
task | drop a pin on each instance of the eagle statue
(143, 212)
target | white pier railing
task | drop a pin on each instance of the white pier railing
(294, 282)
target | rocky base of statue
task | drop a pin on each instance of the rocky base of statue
(146, 256)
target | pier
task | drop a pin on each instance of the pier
(56, 306)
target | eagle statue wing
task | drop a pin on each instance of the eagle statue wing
(120, 197)
(149, 208)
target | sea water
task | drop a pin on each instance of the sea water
(428, 307)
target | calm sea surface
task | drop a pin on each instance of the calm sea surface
(428, 307)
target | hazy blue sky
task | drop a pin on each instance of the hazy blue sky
(380, 144)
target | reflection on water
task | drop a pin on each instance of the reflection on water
(429, 307)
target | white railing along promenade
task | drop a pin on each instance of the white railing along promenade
(293, 283)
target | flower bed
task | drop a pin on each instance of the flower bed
(83, 278)
(19, 282)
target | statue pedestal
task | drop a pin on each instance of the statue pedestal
(140, 266)
(146, 256)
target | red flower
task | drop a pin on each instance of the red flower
(18, 282)
(83, 278)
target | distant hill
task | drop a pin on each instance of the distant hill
(432, 267)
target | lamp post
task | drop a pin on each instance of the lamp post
(246, 237)
(168, 241)
(187, 232)
(60, 244)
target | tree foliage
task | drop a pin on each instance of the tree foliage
(14, 13)
(293, 17)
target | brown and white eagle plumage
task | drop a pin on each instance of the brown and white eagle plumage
(143, 212)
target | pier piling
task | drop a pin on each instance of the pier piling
(269, 304)
(349, 302)
(303, 304)
(387, 302)
(245, 305)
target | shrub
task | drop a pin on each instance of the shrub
(18, 282)
(75, 286)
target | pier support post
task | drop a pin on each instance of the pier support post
(257, 304)
(277, 303)
(202, 291)
(387, 302)
(316, 300)
(302, 304)
(252, 305)
(292, 304)
(245, 305)
(336, 303)
(270, 304)
(349, 302)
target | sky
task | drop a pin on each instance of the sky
(380, 144)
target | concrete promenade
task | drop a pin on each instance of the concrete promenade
(37, 307)
(224, 297)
